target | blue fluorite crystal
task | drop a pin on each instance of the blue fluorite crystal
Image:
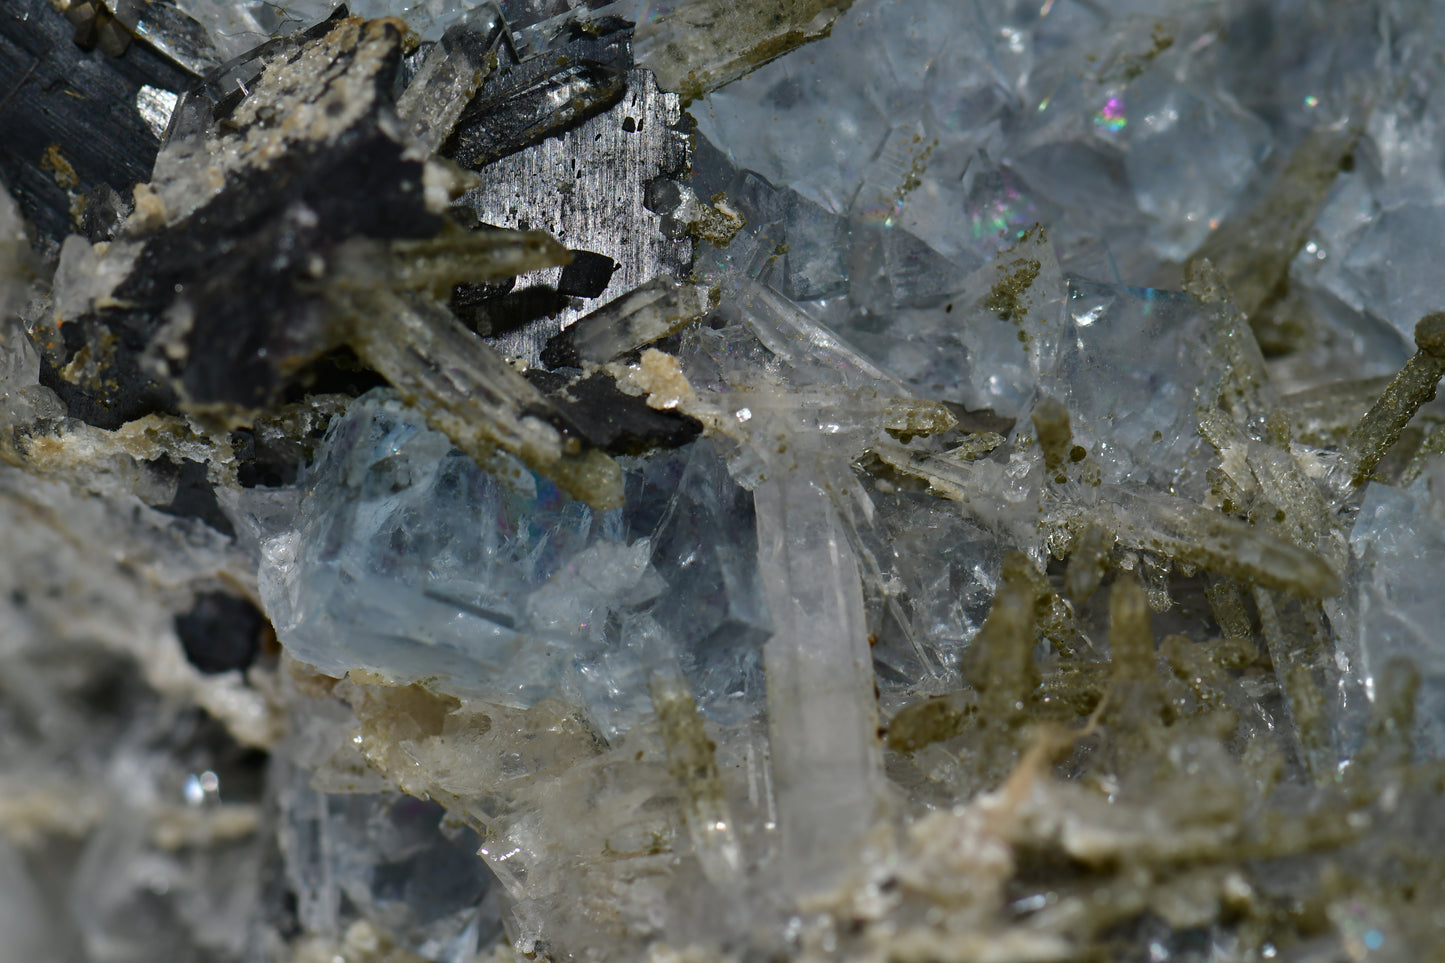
(1135, 368)
(411, 561)
(391, 859)
(1394, 608)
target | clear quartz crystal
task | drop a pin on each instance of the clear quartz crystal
(386, 857)
(13, 253)
(985, 339)
(821, 720)
(236, 26)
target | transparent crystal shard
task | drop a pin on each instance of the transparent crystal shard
(638, 318)
(1255, 248)
(984, 341)
(710, 624)
(1391, 265)
(783, 239)
(1199, 536)
(692, 757)
(1188, 156)
(413, 563)
(1134, 367)
(1392, 604)
(821, 713)
(232, 26)
(1365, 248)
(585, 834)
(895, 119)
(815, 353)
(387, 858)
(449, 76)
(704, 546)
(471, 393)
(14, 256)
(934, 571)
(785, 387)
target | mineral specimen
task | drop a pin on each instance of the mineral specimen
(893, 480)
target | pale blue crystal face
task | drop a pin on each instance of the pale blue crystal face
(704, 547)
(1190, 152)
(937, 569)
(1135, 366)
(1394, 264)
(967, 344)
(1397, 549)
(390, 859)
(413, 562)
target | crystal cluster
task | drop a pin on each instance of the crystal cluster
(895, 480)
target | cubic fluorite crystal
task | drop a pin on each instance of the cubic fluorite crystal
(886, 480)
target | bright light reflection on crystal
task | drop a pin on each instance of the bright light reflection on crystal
(1110, 117)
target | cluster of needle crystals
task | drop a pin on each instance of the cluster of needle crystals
(712, 481)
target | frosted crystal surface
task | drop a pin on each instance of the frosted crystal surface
(385, 857)
(1188, 156)
(1134, 368)
(828, 773)
(1367, 247)
(1396, 545)
(861, 145)
(412, 562)
(1146, 154)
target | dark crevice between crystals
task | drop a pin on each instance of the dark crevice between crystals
(195, 495)
(221, 632)
(618, 423)
(512, 310)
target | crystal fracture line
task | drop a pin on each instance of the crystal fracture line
(821, 708)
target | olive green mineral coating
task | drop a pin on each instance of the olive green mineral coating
(1415, 385)
(1051, 421)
